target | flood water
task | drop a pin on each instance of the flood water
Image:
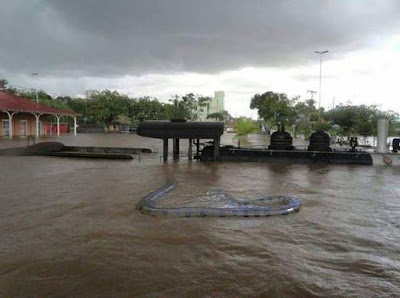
(69, 227)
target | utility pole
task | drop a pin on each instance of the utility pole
(312, 93)
(320, 75)
(37, 93)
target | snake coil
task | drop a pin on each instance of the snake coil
(289, 204)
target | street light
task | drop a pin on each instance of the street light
(37, 94)
(320, 75)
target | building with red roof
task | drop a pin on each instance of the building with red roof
(22, 117)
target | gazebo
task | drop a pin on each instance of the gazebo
(20, 116)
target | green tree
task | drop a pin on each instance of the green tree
(203, 104)
(274, 108)
(80, 106)
(3, 84)
(246, 126)
(345, 117)
(307, 116)
(44, 98)
(222, 116)
(190, 103)
(180, 109)
(106, 106)
(146, 108)
(65, 99)
(358, 120)
(216, 116)
(185, 107)
(353, 119)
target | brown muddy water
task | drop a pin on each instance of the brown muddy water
(69, 227)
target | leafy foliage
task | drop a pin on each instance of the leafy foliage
(275, 108)
(357, 120)
(3, 83)
(216, 116)
(44, 98)
(304, 117)
(246, 126)
(107, 106)
(181, 108)
(307, 117)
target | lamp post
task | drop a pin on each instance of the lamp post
(37, 94)
(320, 75)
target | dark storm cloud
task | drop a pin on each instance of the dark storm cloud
(103, 38)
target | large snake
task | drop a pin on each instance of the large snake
(289, 204)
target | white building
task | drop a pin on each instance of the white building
(215, 105)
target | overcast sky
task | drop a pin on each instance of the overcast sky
(166, 47)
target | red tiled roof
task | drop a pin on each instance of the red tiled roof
(15, 103)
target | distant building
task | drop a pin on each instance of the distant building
(218, 103)
(215, 105)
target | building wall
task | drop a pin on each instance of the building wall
(16, 123)
(218, 102)
(203, 111)
(216, 105)
(51, 127)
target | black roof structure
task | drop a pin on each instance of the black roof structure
(180, 129)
